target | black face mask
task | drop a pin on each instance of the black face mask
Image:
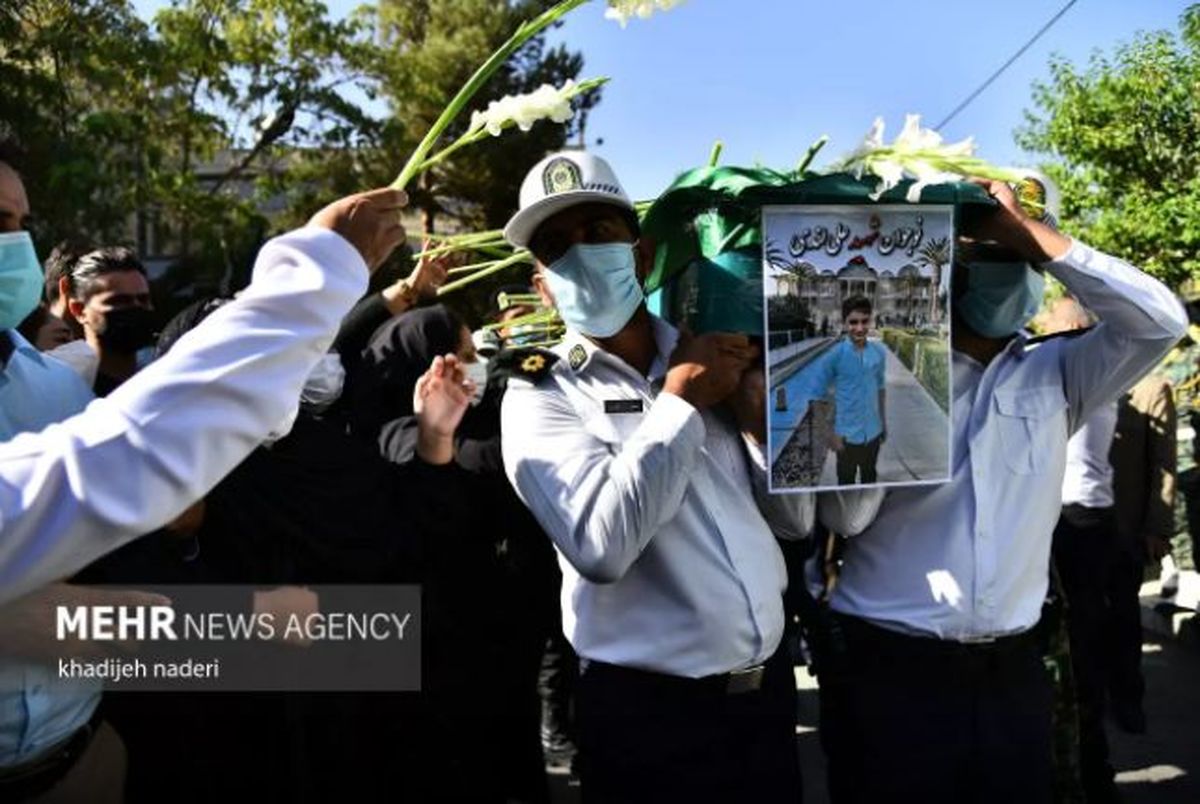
(127, 329)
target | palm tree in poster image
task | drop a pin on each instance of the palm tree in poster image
(935, 254)
(802, 271)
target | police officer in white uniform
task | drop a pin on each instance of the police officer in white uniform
(631, 446)
(938, 692)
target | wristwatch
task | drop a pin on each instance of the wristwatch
(408, 292)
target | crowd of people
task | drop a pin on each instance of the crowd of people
(306, 432)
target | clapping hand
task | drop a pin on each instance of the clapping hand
(422, 284)
(442, 396)
(431, 272)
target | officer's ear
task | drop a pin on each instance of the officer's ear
(541, 286)
(643, 251)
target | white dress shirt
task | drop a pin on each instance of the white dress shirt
(133, 461)
(969, 559)
(1088, 480)
(657, 515)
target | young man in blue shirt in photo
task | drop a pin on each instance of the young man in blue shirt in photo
(856, 368)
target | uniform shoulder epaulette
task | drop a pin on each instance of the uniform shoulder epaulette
(1066, 333)
(530, 364)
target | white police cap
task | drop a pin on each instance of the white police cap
(559, 181)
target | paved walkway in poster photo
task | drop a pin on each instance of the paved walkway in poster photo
(918, 443)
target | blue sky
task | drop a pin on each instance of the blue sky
(768, 77)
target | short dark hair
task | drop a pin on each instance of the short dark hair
(855, 304)
(91, 266)
(60, 262)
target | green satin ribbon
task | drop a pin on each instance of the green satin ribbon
(710, 220)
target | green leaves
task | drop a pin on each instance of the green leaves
(525, 32)
(1124, 133)
(193, 135)
(118, 115)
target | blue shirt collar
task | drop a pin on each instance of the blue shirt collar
(12, 341)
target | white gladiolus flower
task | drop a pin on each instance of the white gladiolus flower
(889, 172)
(874, 138)
(917, 153)
(915, 138)
(962, 148)
(545, 102)
(624, 10)
(871, 143)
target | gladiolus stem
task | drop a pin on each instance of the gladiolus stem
(811, 154)
(523, 34)
(715, 156)
(519, 257)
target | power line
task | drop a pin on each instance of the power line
(1005, 66)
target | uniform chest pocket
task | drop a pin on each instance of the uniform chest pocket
(613, 428)
(1030, 421)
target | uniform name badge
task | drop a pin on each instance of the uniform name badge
(622, 406)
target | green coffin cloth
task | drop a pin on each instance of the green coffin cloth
(723, 294)
(707, 229)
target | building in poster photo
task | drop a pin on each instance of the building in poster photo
(858, 344)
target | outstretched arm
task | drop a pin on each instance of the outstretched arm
(133, 461)
(1140, 318)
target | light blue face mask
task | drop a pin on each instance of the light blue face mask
(477, 373)
(1001, 297)
(595, 287)
(20, 278)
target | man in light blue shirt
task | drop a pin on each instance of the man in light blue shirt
(38, 713)
(174, 429)
(856, 367)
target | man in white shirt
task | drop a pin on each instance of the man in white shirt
(640, 453)
(1084, 551)
(938, 691)
(135, 460)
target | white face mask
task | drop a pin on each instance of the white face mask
(477, 373)
(81, 357)
(324, 384)
(487, 343)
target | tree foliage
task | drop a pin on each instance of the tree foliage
(220, 120)
(70, 96)
(1124, 132)
(429, 49)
